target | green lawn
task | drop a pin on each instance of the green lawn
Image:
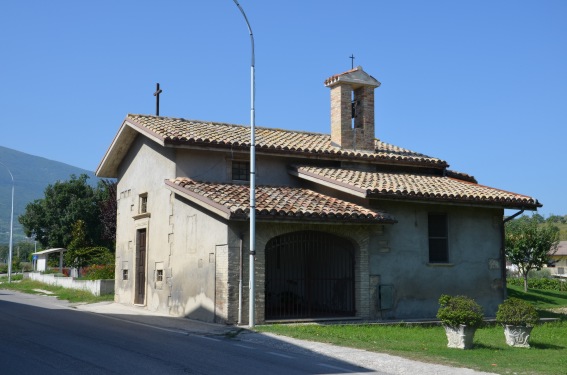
(547, 355)
(32, 286)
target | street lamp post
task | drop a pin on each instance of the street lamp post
(252, 293)
(11, 227)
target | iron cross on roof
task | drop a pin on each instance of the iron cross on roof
(351, 57)
(156, 94)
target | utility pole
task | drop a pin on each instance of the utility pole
(252, 293)
(11, 227)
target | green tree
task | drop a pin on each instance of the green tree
(556, 219)
(108, 207)
(21, 251)
(537, 217)
(528, 244)
(50, 219)
(24, 250)
(80, 251)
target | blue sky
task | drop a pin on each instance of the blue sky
(480, 84)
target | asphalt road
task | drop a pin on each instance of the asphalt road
(41, 335)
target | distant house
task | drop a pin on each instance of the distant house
(347, 225)
(559, 260)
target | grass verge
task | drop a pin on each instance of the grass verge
(71, 295)
(429, 343)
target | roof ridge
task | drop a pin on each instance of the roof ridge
(176, 130)
(231, 124)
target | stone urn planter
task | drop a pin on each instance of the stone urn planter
(460, 337)
(518, 336)
(518, 318)
(461, 316)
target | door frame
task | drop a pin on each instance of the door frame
(145, 261)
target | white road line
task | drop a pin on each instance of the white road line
(281, 355)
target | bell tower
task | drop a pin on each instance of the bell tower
(352, 109)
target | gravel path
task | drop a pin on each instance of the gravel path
(383, 363)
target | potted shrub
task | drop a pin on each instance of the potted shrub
(518, 318)
(461, 316)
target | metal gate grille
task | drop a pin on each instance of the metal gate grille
(309, 275)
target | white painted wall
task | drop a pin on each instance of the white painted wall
(96, 287)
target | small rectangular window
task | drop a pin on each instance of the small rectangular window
(124, 274)
(438, 238)
(159, 275)
(241, 171)
(143, 203)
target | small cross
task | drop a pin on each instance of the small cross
(156, 94)
(351, 57)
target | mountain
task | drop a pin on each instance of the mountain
(31, 174)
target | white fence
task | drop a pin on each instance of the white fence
(96, 287)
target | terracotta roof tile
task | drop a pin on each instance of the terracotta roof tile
(268, 140)
(275, 203)
(332, 79)
(352, 77)
(415, 187)
(561, 249)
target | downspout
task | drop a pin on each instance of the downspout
(503, 252)
(240, 284)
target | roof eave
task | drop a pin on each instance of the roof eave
(328, 182)
(327, 220)
(198, 199)
(455, 201)
(108, 167)
(305, 153)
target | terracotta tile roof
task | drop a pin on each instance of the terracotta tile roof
(355, 75)
(274, 203)
(332, 79)
(413, 187)
(561, 249)
(178, 131)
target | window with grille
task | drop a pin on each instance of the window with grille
(240, 170)
(438, 238)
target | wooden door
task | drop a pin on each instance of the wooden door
(140, 267)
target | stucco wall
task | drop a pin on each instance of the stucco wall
(216, 167)
(400, 258)
(198, 251)
(143, 171)
(560, 267)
